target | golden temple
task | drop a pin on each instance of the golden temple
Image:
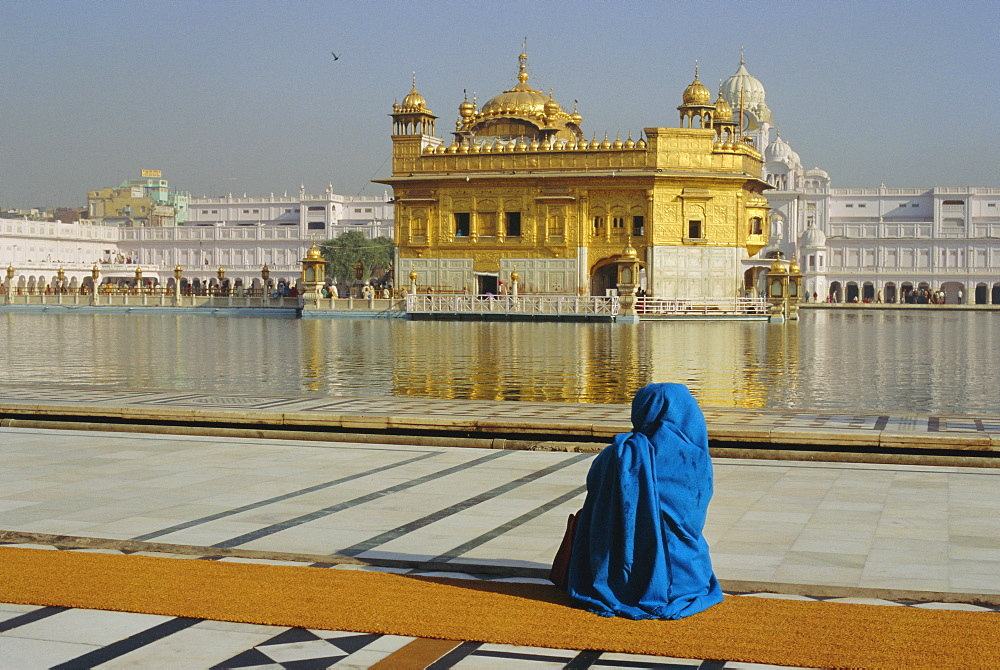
(520, 189)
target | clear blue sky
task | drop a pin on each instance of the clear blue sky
(245, 96)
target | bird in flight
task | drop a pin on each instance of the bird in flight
(335, 56)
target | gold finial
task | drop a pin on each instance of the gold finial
(414, 79)
(522, 74)
(741, 54)
(696, 70)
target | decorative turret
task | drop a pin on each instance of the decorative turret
(697, 104)
(412, 116)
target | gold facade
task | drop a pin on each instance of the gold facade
(519, 186)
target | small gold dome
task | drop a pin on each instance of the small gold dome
(466, 109)
(629, 251)
(314, 254)
(794, 268)
(723, 112)
(696, 93)
(414, 102)
(551, 106)
(778, 267)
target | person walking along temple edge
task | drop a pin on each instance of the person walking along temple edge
(638, 549)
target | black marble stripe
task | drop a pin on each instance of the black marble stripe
(583, 660)
(881, 423)
(459, 653)
(653, 665)
(368, 497)
(127, 645)
(933, 424)
(466, 547)
(438, 515)
(519, 656)
(276, 499)
(29, 617)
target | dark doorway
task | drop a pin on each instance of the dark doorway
(487, 284)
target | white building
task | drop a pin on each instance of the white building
(238, 234)
(871, 244)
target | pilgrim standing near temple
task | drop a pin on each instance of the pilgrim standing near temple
(638, 549)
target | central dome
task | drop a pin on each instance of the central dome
(521, 100)
(520, 113)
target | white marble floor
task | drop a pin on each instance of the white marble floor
(914, 528)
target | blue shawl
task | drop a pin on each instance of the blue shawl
(638, 551)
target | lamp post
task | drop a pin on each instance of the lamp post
(514, 280)
(95, 272)
(138, 279)
(628, 280)
(777, 290)
(178, 272)
(221, 273)
(61, 286)
(265, 275)
(10, 281)
(313, 272)
(413, 282)
(794, 290)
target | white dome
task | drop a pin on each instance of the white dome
(779, 151)
(753, 93)
(812, 237)
(818, 173)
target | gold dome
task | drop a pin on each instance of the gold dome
(521, 100)
(551, 106)
(314, 254)
(723, 112)
(794, 268)
(414, 102)
(629, 252)
(778, 267)
(467, 109)
(696, 93)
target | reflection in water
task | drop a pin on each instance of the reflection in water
(892, 361)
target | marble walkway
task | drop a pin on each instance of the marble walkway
(899, 535)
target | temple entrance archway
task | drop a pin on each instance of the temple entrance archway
(951, 290)
(836, 292)
(604, 277)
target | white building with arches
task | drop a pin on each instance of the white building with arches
(870, 244)
(240, 235)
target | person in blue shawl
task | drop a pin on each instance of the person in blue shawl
(638, 550)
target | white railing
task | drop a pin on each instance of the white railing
(508, 304)
(701, 306)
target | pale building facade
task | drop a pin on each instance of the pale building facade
(240, 235)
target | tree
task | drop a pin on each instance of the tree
(344, 252)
